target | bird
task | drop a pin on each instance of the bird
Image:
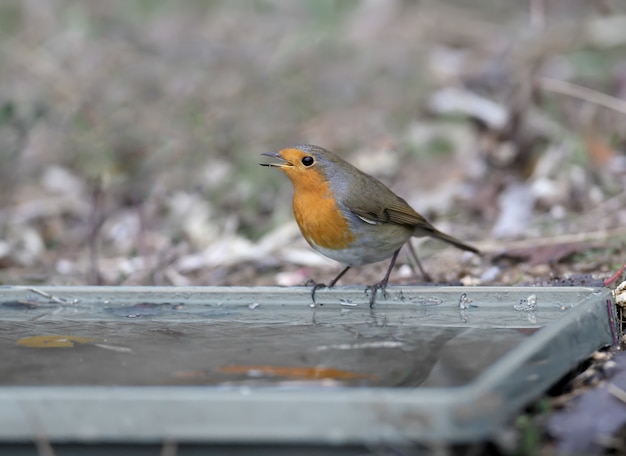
(348, 215)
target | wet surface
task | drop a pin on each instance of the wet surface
(157, 353)
(425, 339)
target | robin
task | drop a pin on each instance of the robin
(348, 215)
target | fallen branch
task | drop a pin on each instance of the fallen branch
(583, 93)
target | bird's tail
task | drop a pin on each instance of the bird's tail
(435, 233)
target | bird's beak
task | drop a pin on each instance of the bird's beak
(275, 165)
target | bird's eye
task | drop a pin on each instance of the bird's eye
(307, 161)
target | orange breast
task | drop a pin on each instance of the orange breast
(319, 218)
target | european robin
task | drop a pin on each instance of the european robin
(348, 215)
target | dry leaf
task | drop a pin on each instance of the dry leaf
(54, 341)
(316, 372)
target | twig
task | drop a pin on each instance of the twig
(610, 204)
(96, 220)
(583, 93)
(600, 235)
(43, 446)
(615, 276)
(48, 296)
(617, 392)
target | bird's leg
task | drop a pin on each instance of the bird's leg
(382, 285)
(317, 286)
(425, 275)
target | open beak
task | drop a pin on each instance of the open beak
(275, 165)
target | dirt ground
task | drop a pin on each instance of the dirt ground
(131, 134)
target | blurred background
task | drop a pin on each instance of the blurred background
(130, 134)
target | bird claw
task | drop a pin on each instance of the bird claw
(316, 286)
(382, 286)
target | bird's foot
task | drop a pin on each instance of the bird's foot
(373, 290)
(316, 286)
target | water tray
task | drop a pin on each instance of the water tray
(219, 365)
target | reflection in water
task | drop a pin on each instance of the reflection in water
(274, 354)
